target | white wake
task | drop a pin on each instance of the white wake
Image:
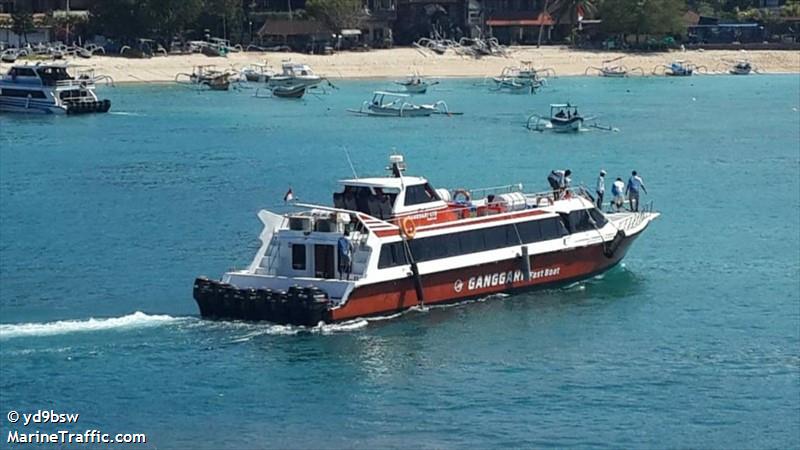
(135, 320)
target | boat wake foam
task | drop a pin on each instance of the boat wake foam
(135, 320)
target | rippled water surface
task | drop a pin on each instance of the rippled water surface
(694, 342)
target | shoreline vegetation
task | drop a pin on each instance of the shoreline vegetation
(400, 62)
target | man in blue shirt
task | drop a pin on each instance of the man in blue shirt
(345, 251)
(635, 184)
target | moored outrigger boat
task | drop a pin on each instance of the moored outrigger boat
(613, 70)
(415, 84)
(208, 76)
(678, 68)
(50, 89)
(391, 104)
(257, 73)
(564, 118)
(394, 242)
(522, 79)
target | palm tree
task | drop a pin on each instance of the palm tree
(566, 11)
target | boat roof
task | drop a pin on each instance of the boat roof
(390, 94)
(561, 105)
(384, 182)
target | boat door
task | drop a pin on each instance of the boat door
(324, 265)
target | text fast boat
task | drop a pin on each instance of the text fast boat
(411, 245)
(49, 89)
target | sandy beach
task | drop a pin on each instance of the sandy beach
(399, 62)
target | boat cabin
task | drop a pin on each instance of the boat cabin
(40, 75)
(563, 111)
(387, 198)
(290, 69)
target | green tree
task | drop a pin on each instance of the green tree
(122, 19)
(223, 17)
(791, 9)
(168, 18)
(566, 11)
(22, 24)
(337, 14)
(643, 17)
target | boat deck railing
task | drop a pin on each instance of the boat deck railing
(636, 218)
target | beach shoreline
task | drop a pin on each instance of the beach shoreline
(399, 62)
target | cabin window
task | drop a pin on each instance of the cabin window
(22, 93)
(599, 218)
(298, 257)
(472, 241)
(24, 72)
(376, 202)
(581, 220)
(421, 193)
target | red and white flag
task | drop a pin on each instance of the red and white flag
(289, 196)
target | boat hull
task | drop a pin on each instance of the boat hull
(217, 300)
(567, 125)
(291, 82)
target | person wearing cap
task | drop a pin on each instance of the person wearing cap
(617, 190)
(601, 189)
(635, 184)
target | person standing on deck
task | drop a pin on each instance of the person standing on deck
(617, 190)
(559, 181)
(601, 189)
(635, 184)
(345, 251)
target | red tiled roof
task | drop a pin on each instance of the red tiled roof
(531, 20)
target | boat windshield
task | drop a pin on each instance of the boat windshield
(51, 75)
(377, 202)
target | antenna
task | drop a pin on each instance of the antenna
(349, 161)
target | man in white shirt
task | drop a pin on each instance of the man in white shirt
(601, 189)
(618, 191)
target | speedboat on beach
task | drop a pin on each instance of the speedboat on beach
(393, 242)
(49, 89)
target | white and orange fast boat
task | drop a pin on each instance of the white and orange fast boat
(392, 243)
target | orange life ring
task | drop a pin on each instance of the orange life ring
(463, 192)
(409, 228)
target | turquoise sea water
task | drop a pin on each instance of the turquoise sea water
(693, 342)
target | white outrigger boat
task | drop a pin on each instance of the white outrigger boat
(678, 68)
(564, 118)
(393, 242)
(613, 70)
(50, 89)
(522, 79)
(390, 104)
(257, 73)
(294, 74)
(415, 84)
(208, 76)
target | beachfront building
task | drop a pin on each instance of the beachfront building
(45, 18)
(282, 24)
(305, 35)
